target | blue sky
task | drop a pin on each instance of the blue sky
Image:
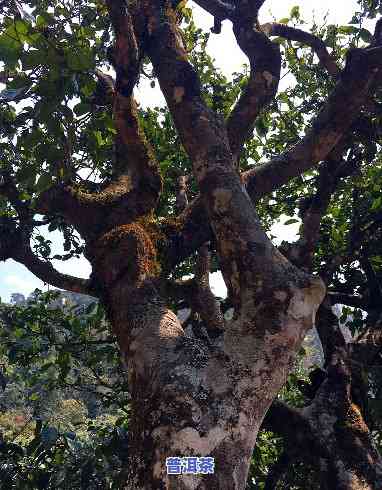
(15, 277)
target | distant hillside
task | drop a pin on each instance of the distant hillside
(65, 299)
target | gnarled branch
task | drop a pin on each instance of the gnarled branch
(317, 44)
(265, 61)
(358, 80)
(48, 274)
(134, 156)
(14, 244)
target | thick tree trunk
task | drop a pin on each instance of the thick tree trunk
(193, 397)
(330, 434)
(353, 462)
(338, 446)
(208, 397)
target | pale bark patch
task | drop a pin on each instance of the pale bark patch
(191, 482)
(179, 40)
(305, 302)
(227, 248)
(222, 200)
(245, 427)
(188, 441)
(326, 423)
(268, 78)
(157, 470)
(235, 278)
(245, 382)
(299, 306)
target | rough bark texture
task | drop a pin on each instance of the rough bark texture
(208, 396)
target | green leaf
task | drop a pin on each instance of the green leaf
(81, 108)
(365, 35)
(21, 27)
(295, 12)
(261, 126)
(44, 20)
(80, 60)
(10, 51)
(348, 30)
(291, 221)
(376, 204)
(44, 182)
(33, 58)
(98, 137)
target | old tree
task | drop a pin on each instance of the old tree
(157, 198)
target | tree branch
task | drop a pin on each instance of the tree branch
(265, 62)
(329, 330)
(348, 299)
(185, 234)
(14, 244)
(207, 305)
(204, 137)
(134, 156)
(313, 208)
(48, 274)
(318, 46)
(201, 298)
(315, 434)
(373, 282)
(218, 8)
(332, 123)
(261, 283)
(181, 194)
(300, 440)
(357, 82)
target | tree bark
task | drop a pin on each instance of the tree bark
(191, 397)
(330, 434)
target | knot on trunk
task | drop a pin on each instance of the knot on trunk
(126, 252)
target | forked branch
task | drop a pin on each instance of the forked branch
(359, 79)
(134, 156)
